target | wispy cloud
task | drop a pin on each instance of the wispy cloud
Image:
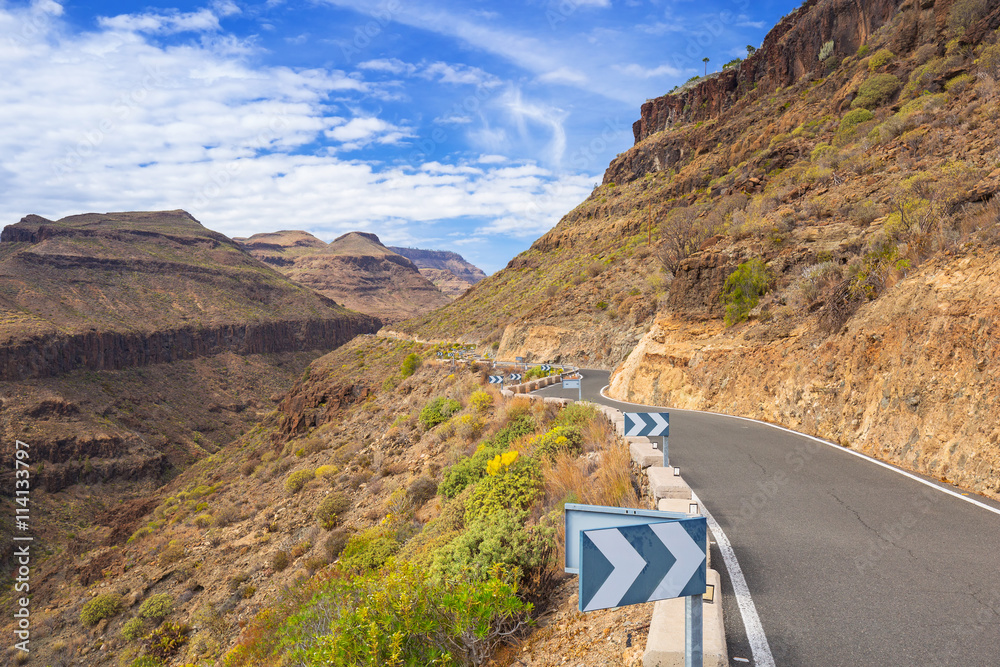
(442, 72)
(202, 20)
(111, 120)
(640, 72)
(540, 57)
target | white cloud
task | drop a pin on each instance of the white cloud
(361, 131)
(564, 75)
(524, 112)
(202, 20)
(391, 65)
(109, 120)
(226, 8)
(662, 27)
(539, 56)
(641, 72)
(460, 74)
(441, 72)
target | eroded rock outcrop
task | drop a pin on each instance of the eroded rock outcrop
(910, 379)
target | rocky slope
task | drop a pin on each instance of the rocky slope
(861, 187)
(110, 291)
(131, 346)
(355, 269)
(447, 270)
(905, 380)
(229, 542)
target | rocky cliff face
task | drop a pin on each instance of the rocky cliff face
(442, 260)
(104, 292)
(354, 269)
(790, 51)
(910, 378)
(51, 355)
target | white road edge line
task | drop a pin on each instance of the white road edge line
(751, 621)
(846, 450)
(752, 626)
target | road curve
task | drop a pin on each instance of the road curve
(848, 562)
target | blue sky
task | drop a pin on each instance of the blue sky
(467, 126)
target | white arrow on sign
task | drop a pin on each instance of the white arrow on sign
(641, 563)
(689, 556)
(647, 423)
(626, 561)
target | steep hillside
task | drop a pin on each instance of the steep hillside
(376, 454)
(448, 270)
(115, 290)
(131, 346)
(355, 269)
(770, 218)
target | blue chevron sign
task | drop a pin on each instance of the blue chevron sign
(496, 379)
(514, 377)
(642, 563)
(647, 423)
(546, 367)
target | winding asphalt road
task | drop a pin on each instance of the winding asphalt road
(848, 562)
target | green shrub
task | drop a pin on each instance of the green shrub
(575, 414)
(823, 150)
(167, 639)
(103, 606)
(335, 543)
(327, 472)
(132, 629)
(862, 51)
(518, 427)
(854, 118)
(743, 290)
(298, 479)
(536, 371)
(280, 560)
(329, 511)
(469, 470)
(559, 439)
(989, 60)
(369, 550)
(157, 606)
(203, 520)
(826, 50)
(481, 400)
(964, 13)
(410, 364)
(421, 490)
(957, 85)
(438, 411)
(876, 91)
(146, 661)
(880, 58)
(499, 538)
(401, 618)
(513, 486)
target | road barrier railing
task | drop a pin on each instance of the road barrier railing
(668, 492)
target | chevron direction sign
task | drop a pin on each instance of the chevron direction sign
(514, 377)
(546, 367)
(496, 379)
(647, 423)
(636, 564)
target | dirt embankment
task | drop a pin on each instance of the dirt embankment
(911, 379)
